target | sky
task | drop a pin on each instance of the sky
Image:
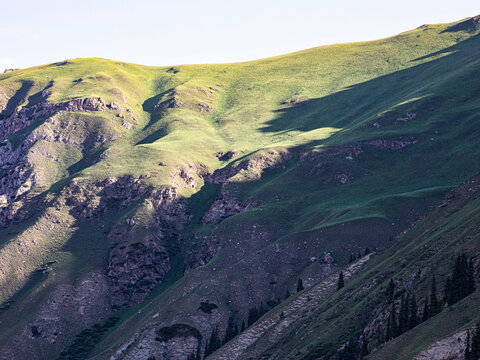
(177, 32)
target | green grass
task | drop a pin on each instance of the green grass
(343, 90)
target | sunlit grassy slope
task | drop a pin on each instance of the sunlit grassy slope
(335, 95)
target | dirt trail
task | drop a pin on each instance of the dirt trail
(271, 327)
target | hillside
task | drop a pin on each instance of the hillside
(161, 201)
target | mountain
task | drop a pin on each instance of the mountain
(146, 212)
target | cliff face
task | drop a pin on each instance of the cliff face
(149, 212)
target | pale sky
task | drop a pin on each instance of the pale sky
(149, 32)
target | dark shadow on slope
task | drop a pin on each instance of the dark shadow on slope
(470, 25)
(346, 109)
(41, 95)
(153, 107)
(17, 99)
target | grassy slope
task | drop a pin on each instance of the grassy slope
(428, 248)
(348, 87)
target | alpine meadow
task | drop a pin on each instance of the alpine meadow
(323, 204)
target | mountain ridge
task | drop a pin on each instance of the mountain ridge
(141, 193)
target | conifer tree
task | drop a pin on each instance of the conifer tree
(287, 295)
(390, 290)
(214, 343)
(462, 281)
(367, 251)
(230, 331)
(475, 344)
(413, 320)
(434, 305)
(403, 317)
(198, 355)
(300, 285)
(252, 316)
(364, 352)
(467, 347)
(388, 331)
(351, 259)
(261, 311)
(393, 323)
(341, 282)
(425, 315)
(242, 328)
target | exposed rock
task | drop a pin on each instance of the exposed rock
(10, 70)
(452, 347)
(188, 176)
(168, 101)
(178, 342)
(294, 101)
(202, 107)
(250, 168)
(91, 200)
(390, 144)
(226, 205)
(224, 156)
(135, 269)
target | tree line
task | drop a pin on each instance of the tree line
(457, 286)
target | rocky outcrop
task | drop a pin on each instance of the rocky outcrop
(188, 176)
(226, 205)
(170, 100)
(88, 200)
(140, 259)
(27, 115)
(175, 342)
(135, 269)
(250, 168)
(452, 347)
(202, 252)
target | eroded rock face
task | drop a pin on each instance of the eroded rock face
(226, 205)
(182, 341)
(452, 347)
(249, 168)
(89, 200)
(135, 269)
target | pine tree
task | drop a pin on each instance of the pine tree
(462, 281)
(390, 290)
(434, 305)
(199, 351)
(393, 323)
(261, 311)
(214, 343)
(413, 321)
(467, 347)
(341, 282)
(300, 285)
(447, 292)
(367, 251)
(425, 315)
(351, 259)
(388, 331)
(252, 316)
(287, 295)
(403, 317)
(364, 351)
(230, 331)
(359, 255)
(471, 277)
(242, 328)
(475, 344)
